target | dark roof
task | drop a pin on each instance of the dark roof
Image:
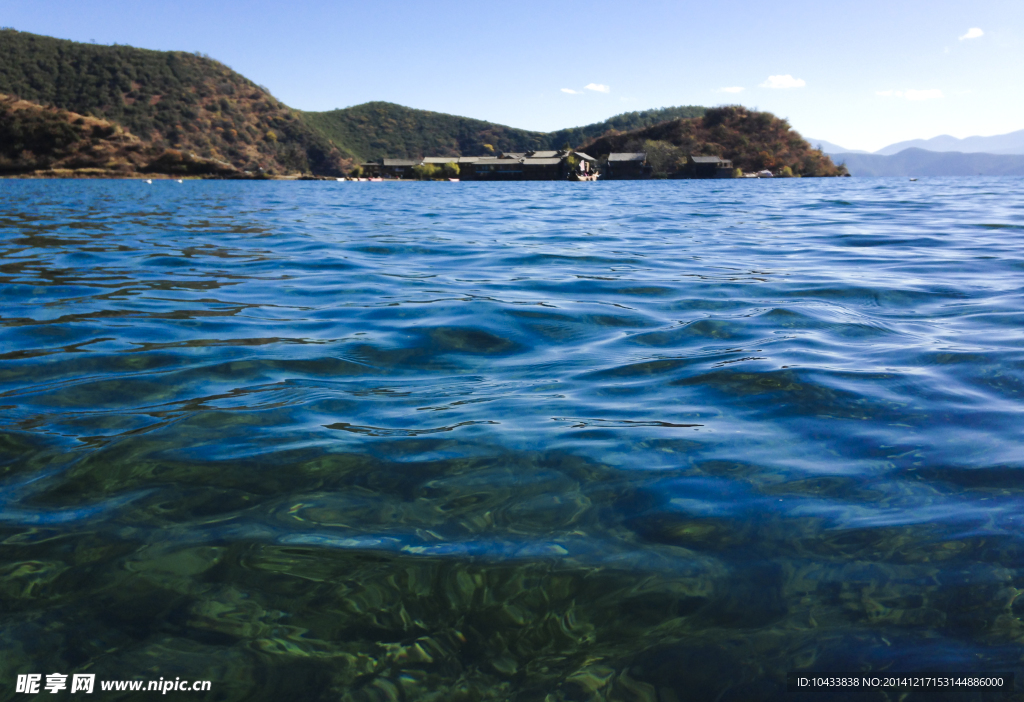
(469, 159)
(707, 159)
(542, 161)
(513, 155)
(544, 154)
(640, 156)
(440, 159)
(400, 162)
(584, 156)
(498, 161)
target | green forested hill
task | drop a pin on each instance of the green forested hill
(169, 99)
(752, 140)
(627, 121)
(377, 129)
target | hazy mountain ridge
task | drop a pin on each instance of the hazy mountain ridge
(830, 148)
(1012, 143)
(919, 162)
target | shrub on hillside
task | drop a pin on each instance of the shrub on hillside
(425, 171)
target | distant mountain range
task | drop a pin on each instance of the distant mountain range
(829, 148)
(939, 156)
(919, 162)
(1012, 143)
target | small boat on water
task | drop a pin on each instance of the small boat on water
(765, 174)
(453, 180)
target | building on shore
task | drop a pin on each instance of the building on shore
(546, 168)
(440, 160)
(394, 168)
(497, 168)
(626, 166)
(530, 165)
(707, 167)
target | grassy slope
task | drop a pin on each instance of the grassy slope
(169, 99)
(753, 140)
(377, 129)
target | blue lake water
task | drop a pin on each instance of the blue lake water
(654, 441)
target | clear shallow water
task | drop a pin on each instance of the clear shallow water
(615, 441)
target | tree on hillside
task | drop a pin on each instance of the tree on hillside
(663, 158)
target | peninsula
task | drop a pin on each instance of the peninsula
(70, 109)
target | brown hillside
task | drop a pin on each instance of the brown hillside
(40, 140)
(752, 140)
(169, 100)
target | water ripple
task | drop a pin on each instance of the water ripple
(612, 442)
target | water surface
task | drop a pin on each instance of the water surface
(650, 441)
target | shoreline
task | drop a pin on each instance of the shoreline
(63, 174)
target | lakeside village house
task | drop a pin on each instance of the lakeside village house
(546, 165)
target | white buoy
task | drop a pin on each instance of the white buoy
(149, 181)
(180, 180)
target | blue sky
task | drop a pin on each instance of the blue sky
(861, 74)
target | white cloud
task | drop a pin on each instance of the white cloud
(932, 94)
(571, 91)
(597, 87)
(786, 81)
(972, 33)
(736, 89)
